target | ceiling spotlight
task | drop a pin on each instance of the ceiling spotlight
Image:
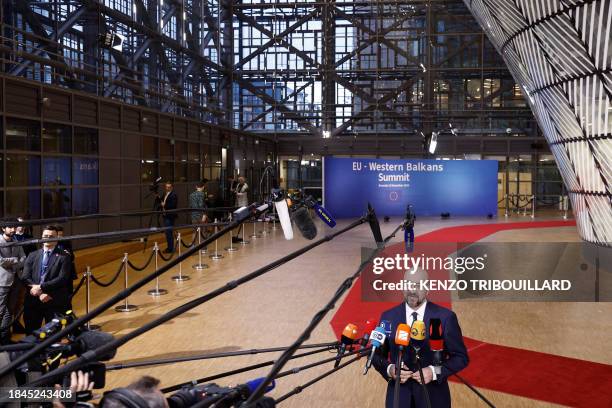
(45, 101)
(423, 67)
(326, 134)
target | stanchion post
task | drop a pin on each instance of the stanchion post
(157, 291)
(565, 202)
(243, 241)
(216, 256)
(89, 325)
(255, 235)
(525, 208)
(274, 218)
(180, 277)
(533, 204)
(231, 247)
(125, 307)
(199, 266)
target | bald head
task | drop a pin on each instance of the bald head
(416, 297)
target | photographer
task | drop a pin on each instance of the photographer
(79, 385)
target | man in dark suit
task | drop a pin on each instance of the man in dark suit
(47, 274)
(416, 307)
(169, 202)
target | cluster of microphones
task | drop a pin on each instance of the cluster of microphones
(296, 209)
(379, 338)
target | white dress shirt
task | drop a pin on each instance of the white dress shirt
(420, 311)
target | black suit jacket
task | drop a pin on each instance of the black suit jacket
(171, 204)
(57, 280)
(455, 351)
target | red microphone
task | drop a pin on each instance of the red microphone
(369, 326)
(436, 340)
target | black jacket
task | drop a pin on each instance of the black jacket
(170, 204)
(57, 280)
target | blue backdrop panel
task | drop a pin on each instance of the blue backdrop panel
(459, 187)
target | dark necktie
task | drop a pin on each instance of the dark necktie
(45, 265)
(415, 316)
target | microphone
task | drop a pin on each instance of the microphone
(349, 335)
(402, 336)
(304, 223)
(323, 214)
(254, 384)
(369, 326)
(402, 339)
(278, 198)
(377, 339)
(374, 225)
(386, 325)
(417, 334)
(436, 340)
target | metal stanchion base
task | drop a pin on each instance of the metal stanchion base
(180, 278)
(126, 308)
(231, 249)
(199, 267)
(216, 256)
(203, 251)
(157, 292)
(243, 242)
(93, 327)
(255, 236)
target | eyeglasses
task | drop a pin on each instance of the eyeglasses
(48, 236)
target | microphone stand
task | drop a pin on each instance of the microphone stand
(417, 359)
(398, 372)
(146, 363)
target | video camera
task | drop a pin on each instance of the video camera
(208, 395)
(75, 343)
(154, 186)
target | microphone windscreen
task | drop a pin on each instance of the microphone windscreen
(417, 331)
(374, 225)
(92, 339)
(350, 331)
(324, 215)
(302, 220)
(377, 337)
(436, 344)
(435, 329)
(402, 335)
(253, 384)
(369, 325)
(283, 216)
(386, 325)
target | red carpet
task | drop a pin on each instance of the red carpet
(524, 373)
